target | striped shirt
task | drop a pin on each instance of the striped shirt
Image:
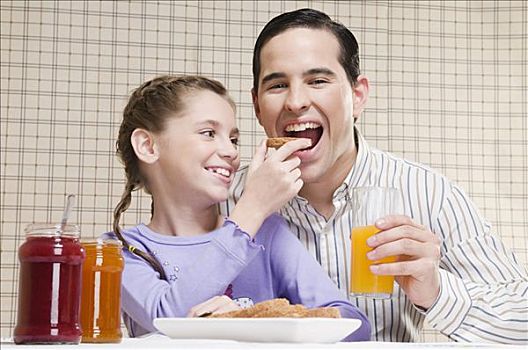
(484, 289)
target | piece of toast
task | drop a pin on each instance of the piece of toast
(328, 312)
(285, 311)
(265, 306)
(276, 142)
(280, 308)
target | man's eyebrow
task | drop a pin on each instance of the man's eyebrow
(313, 71)
(272, 76)
(322, 70)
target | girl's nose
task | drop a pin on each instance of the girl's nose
(228, 150)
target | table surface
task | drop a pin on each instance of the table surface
(154, 342)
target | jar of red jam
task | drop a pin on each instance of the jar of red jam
(49, 290)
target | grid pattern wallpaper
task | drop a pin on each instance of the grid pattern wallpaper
(449, 89)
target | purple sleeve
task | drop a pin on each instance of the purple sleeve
(302, 280)
(146, 297)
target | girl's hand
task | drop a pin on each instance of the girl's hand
(271, 182)
(215, 305)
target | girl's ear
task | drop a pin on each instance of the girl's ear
(144, 146)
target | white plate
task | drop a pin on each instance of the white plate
(280, 330)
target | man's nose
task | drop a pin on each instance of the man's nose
(298, 99)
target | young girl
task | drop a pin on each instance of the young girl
(178, 141)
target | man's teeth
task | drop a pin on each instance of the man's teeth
(221, 171)
(301, 127)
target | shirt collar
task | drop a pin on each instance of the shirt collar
(361, 168)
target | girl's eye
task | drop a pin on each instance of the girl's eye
(234, 141)
(208, 133)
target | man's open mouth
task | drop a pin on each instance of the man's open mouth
(309, 130)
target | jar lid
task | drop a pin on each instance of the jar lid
(103, 241)
(52, 230)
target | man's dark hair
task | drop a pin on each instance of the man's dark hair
(312, 19)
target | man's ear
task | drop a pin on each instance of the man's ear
(361, 93)
(256, 105)
(144, 146)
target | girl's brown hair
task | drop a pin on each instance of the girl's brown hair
(149, 106)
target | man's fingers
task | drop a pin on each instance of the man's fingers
(405, 247)
(402, 232)
(414, 268)
(391, 221)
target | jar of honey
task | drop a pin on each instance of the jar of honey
(49, 288)
(101, 292)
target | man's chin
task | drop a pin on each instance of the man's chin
(310, 174)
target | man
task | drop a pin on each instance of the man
(451, 271)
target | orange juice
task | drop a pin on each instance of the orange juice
(101, 292)
(362, 281)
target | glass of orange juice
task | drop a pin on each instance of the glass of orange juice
(368, 205)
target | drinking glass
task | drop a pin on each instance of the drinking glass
(368, 205)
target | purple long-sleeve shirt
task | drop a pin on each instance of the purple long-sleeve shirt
(225, 261)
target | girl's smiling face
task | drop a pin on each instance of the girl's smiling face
(198, 153)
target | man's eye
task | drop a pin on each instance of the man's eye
(318, 82)
(278, 86)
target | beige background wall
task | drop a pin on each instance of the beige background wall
(449, 88)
